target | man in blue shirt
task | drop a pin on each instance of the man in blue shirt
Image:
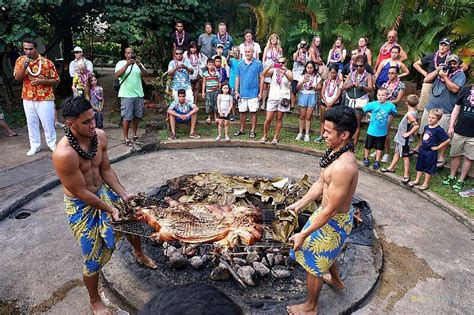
(224, 38)
(247, 82)
(380, 111)
(179, 70)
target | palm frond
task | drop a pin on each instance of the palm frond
(389, 15)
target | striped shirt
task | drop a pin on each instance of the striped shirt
(211, 81)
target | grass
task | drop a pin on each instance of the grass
(288, 137)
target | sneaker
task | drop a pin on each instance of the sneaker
(194, 135)
(299, 137)
(232, 117)
(372, 155)
(449, 181)
(366, 162)
(218, 138)
(318, 139)
(306, 138)
(172, 137)
(59, 125)
(460, 185)
(32, 152)
(467, 193)
(385, 158)
(227, 139)
(376, 165)
(238, 133)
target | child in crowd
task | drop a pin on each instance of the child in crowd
(234, 61)
(405, 135)
(220, 52)
(221, 69)
(380, 111)
(210, 89)
(434, 139)
(330, 96)
(224, 107)
(97, 101)
(80, 81)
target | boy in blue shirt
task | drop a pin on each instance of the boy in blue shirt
(380, 111)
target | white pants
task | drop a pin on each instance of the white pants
(35, 112)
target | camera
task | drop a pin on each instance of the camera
(446, 67)
(133, 57)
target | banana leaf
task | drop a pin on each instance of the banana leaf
(284, 225)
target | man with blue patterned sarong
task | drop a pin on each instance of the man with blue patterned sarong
(321, 240)
(91, 193)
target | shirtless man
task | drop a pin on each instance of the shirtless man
(332, 222)
(91, 188)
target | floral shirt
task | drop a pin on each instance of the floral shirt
(181, 79)
(42, 68)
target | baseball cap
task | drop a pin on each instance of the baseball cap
(445, 41)
(220, 45)
(77, 49)
(453, 57)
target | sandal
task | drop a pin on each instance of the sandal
(274, 141)
(128, 143)
(135, 138)
(405, 180)
(15, 134)
(412, 184)
(263, 140)
(440, 164)
(413, 151)
(386, 170)
(423, 187)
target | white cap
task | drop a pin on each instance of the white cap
(77, 49)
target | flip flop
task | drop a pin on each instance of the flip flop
(386, 170)
(275, 141)
(412, 184)
(135, 138)
(423, 187)
(406, 180)
(15, 134)
(263, 140)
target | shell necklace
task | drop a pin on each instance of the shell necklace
(180, 37)
(223, 38)
(328, 158)
(77, 147)
(34, 74)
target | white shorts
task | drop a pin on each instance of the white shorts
(275, 106)
(189, 95)
(248, 104)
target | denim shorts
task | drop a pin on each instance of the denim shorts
(307, 100)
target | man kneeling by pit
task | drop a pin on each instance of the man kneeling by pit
(182, 111)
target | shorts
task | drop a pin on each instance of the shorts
(444, 121)
(189, 95)
(223, 117)
(307, 100)
(424, 95)
(294, 87)
(461, 145)
(372, 142)
(211, 101)
(131, 107)
(403, 149)
(275, 106)
(248, 104)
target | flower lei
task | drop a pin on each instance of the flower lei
(331, 86)
(451, 74)
(194, 59)
(279, 76)
(328, 158)
(471, 96)
(361, 79)
(39, 68)
(95, 92)
(436, 56)
(336, 54)
(308, 85)
(301, 57)
(274, 54)
(83, 77)
(385, 49)
(180, 37)
(223, 38)
(317, 53)
(77, 147)
(393, 89)
(362, 50)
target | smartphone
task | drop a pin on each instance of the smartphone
(277, 65)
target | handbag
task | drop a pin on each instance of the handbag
(285, 102)
(357, 103)
(117, 82)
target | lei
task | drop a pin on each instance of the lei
(385, 49)
(331, 86)
(451, 74)
(223, 38)
(77, 147)
(436, 56)
(471, 96)
(95, 92)
(336, 54)
(274, 54)
(317, 53)
(180, 37)
(83, 77)
(301, 57)
(39, 68)
(392, 89)
(177, 63)
(308, 85)
(361, 78)
(362, 50)
(328, 158)
(279, 76)
(194, 59)
(247, 44)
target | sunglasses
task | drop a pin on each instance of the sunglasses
(77, 52)
(178, 53)
(360, 66)
(28, 48)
